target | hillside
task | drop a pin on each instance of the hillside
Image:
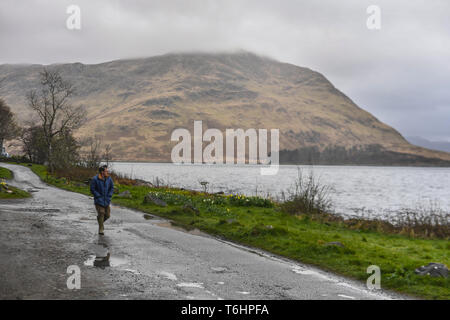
(136, 104)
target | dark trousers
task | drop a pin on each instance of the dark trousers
(103, 214)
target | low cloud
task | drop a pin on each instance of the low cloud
(399, 73)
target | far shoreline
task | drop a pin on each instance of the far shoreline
(281, 164)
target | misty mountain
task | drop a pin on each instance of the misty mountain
(433, 145)
(136, 104)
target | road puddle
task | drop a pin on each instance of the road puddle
(168, 224)
(304, 271)
(190, 285)
(106, 261)
(169, 275)
(132, 271)
(219, 269)
(174, 226)
(102, 257)
(37, 209)
(243, 292)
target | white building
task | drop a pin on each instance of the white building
(4, 153)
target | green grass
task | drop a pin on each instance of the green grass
(300, 239)
(16, 192)
(5, 173)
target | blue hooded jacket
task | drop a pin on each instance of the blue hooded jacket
(102, 190)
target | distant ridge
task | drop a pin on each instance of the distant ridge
(135, 104)
(432, 145)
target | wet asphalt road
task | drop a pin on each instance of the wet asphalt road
(40, 237)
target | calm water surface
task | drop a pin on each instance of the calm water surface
(355, 190)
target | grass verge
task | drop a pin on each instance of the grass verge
(5, 173)
(264, 225)
(15, 193)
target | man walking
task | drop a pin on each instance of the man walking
(102, 187)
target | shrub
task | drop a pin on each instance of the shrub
(308, 196)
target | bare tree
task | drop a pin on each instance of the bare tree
(91, 156)
(107, 156)
(56, 114)
(8, 126)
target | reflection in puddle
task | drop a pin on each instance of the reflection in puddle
(102, 261)
(102, 257)
(106, 261)
(94, 261)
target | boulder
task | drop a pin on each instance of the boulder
(143, 183)
(191, 209)
(433, 269)
(125, 194)
(151, 199)
(80, 184)
(335, 243)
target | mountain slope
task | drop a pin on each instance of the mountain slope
(136, 104)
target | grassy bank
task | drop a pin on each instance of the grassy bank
(262, 224)
(14, 193)
(5, 173)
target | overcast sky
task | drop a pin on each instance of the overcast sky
(400, 73)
